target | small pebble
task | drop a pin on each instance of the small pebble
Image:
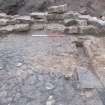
(1, 68)
(67, 76)
(19, 64)
(50, 101)
(49, 86)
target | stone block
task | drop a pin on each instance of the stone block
(72, 30)
(39, 15)
(38, 26)
(55, 16)
(92, 30)
(75, 22)
(6, 29)
(71, 15)
(21, 27)
(20, 20)
(82, 22)
(3, 22)
(54, 27)
(70, 22)
(57, 9)
(87, 79)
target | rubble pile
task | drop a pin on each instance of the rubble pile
(56, 19)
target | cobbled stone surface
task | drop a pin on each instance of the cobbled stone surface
(28, 84)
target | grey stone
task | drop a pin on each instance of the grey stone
(88, 30)
(72, 30)
(21, 27)
(3, 22)
(75, 22)
(40, 21)
(50, 101)
(38, 15)
(49, 86)
(54, 27)
(6, 29)
(4, 15)
(70, 22)
(68, 76)
(82, 22)
(15, 28)
(19, 64)
(57, 9)
(103, 18)
(38, 26)
(87, 79)
(55, 17)
(71, 15)
(21, 19)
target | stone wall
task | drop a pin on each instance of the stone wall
(56, 19)
(93, 7)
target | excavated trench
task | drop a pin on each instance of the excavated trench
(44, 66)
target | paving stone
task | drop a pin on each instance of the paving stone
(57, 9)
(92, 98)
(87, 79)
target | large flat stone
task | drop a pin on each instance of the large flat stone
(38, 15)
(87, 79)
(75, 22)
